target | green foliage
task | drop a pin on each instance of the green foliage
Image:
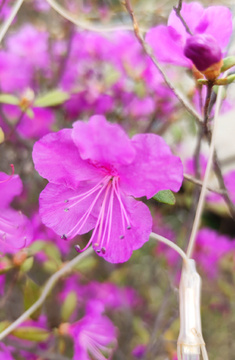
(53, 98)
(31, 333)
(69, 306)
(9, 99)
(27, 264)
(165, 196)
(31, 294)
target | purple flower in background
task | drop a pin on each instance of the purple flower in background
(31, 45)
(5, 352)
(95, 336)
(190, 165)
(229, 180)
(210, 247)
(168, 41)
(139, 351)
(15, 228)
(203, 50)
(94, 171)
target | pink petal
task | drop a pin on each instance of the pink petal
(56, 199)
(102, 142)
(191, 13)
(168, 45)
(217, 21)
(155, 168)
(9, 189)
(57, 159)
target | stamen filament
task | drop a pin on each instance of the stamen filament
(121, 204)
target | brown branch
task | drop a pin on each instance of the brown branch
(149, 52)
(199, 182)
(178, 14)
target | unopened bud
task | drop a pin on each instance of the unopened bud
(20, 257)
(64, 329)
(205, 53)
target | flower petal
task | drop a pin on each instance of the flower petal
(57, 159)
(9, 188)
(191, 13)
(217, 21)
(102, 142)
(61, 211)
(123, 240)
(168, 45)
(155, 168)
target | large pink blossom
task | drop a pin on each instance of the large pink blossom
(168, 41)
(94, 172)
(95, 336)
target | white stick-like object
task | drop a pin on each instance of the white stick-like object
(49, 285)
(206, 177)
(170, 244)
(85, 24)
(10, 18)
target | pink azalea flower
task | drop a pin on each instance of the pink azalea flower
(139, 351)
(15, 228)
(215, 21)
(94, 171)
(229, 180)
(210, 248)
(5, 352)
(33, 128)
(190, 166)
(31, 45)
(95, 336)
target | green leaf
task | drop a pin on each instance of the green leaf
(165, 196)
(30, 113)
(27, 264)
(4, 324)
(228, 62)
(31, 294)
(31, 333)
(9, 99)
(53, 98)
(69, 306)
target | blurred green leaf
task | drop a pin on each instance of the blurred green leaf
(165, 196)
(27, 264)
(9, 99)
(4, 325)
(69, 306)
(31, 333)
(31, 294)
(228, 62)
(30, 113)
(53, 98)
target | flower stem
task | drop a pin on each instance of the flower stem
(49, 285)
(170, 244)
(9, 20)
(205, 180)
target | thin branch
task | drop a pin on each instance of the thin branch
(10, 19)
(206, 177)
(178, 14)
(200, 183)
(170, 244)
(49, 285)
(149, 52)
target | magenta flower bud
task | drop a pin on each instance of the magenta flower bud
(203, 50)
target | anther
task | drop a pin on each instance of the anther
(64, 237)
(128, 227)
(103, 250)
(96, 244)
(66, 209)
(98, 251)
(121, 236)
(66, 201)
(77, 248)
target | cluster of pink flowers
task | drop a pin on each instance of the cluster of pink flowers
(93, 179)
